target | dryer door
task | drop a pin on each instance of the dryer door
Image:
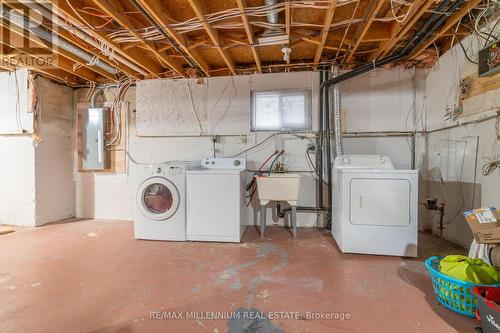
(158, 198)
(382, 202)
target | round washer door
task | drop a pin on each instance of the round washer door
(158, 199)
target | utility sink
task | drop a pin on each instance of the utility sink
(279, 187)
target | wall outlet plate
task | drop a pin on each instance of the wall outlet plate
(312, 148)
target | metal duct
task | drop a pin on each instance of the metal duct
(42, 33)
(337, 115)
(272, 18)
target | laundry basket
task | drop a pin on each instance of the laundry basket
(454, 294)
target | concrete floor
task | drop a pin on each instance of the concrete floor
(92, 276)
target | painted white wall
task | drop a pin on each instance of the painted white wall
(17, 153)
(17, 180)
(36, 174)
(14, 117)
(55, 187)
(453, 151)
(388, 101)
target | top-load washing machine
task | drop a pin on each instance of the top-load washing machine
(216, 210)
(160, 202)
(375, 207)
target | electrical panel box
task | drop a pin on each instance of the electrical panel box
(93, 145)
(489, 60)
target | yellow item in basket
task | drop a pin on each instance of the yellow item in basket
(469, 270)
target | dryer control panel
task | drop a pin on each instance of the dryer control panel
(221, 163)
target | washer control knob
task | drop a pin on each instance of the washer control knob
(213, 162)
(207, 162)
(158, 170)
(236, 163)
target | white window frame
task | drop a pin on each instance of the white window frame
(307, 125)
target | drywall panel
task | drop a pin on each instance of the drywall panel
(54, 154)
(17, 180)
(14, 115)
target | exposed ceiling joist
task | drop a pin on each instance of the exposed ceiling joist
(450, 22)
(163, 18)
(220, 37)
(62, 30)
(400, 29)
(135, 55)
(115, 10)
(17, 33)
(250, 34)
(197, 7)
(369, 17)
(327, 21)
(288, 18)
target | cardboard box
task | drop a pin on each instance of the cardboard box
(485, 225)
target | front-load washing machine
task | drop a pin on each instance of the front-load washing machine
(160, 207)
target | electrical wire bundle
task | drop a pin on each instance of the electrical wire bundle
(90, 92)
(127, 36)
(215, 19)
(114, 135)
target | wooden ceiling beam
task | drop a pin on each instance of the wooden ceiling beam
(87, 74)
(288, 18)
(399, 29)
(59, 75)
(115, 10)
(449, 24)
(250, 34)
(134, 55)
(197, 7)
(61, 63)
(317, 42)
(369, 17)
(327, 21)
(163, 18)
(78, 42)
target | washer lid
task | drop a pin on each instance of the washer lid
(158, 198)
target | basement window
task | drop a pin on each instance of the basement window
(281, 110)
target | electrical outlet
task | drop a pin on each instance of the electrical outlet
(311, 147)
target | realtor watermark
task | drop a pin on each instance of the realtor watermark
(247, 315)
(28, 34)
